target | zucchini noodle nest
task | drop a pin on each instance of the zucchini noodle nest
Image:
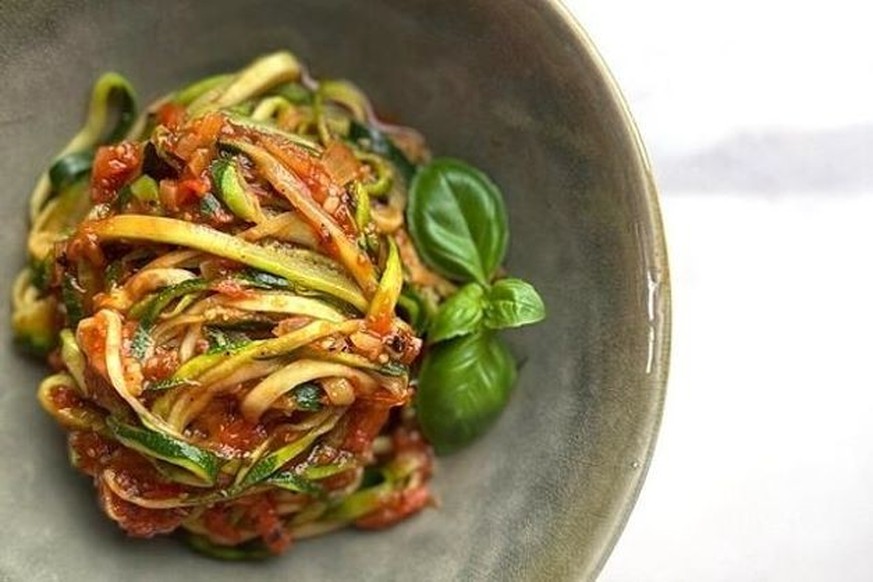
(216, 284)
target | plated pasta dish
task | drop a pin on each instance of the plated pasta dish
(265, 310)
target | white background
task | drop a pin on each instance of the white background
(758, 115)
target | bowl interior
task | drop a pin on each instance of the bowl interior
(510, 86)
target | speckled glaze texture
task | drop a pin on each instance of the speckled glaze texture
(512, 86)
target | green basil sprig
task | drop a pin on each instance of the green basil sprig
(457, 220)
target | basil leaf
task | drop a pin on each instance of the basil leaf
(513, 303)
(463, 386)
(459, 315)
(457, 220)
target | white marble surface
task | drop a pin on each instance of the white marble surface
(759, 119)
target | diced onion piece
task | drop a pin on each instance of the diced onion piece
(340, 163)
(339, 391)
(287, 226)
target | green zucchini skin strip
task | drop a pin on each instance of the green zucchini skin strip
(348, 95)
(185, 96)
(289, 185)
(178, 232)
(384, 173)
(69, 168)
(263, 128)
(260, 76)
(381, 144)
(150, 309)
(208, 368)
(271, 463)
(60, 215)
(107, 86)
(200, 462)
(353, 360)
(385, 300)
(359, 503)
(73, 300)
(362, 206)
(318, 472)
(262, 280)
(94, 132)
(291, 481)
(155, 305)
(202, 545)
(231, 191)
(33, 318)
(199, 364)
(73, 359)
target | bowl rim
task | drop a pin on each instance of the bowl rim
(656, 262)
(654, 258)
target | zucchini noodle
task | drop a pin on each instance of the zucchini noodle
(216, 281)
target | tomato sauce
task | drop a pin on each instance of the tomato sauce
(137, 521)
(365, 420)
(114, 166)
(161, 364)
(222, 424)
(95, 455)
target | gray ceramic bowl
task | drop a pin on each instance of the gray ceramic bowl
(513, 86)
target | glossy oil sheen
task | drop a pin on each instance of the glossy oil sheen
(513, 87)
